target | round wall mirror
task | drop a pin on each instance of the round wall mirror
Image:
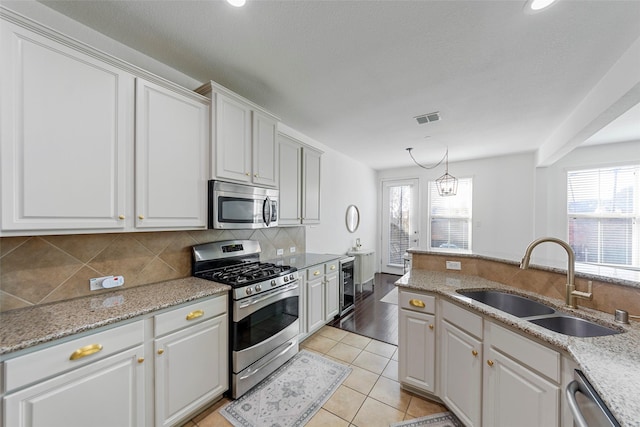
(352, 218)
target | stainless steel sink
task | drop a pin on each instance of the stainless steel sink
(510, 303)
(539, 314)
(574, 326)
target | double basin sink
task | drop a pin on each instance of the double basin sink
(538, 313)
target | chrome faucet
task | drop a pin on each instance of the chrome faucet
(571, 294)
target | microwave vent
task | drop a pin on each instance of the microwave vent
(428, 118)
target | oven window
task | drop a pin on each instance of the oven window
(264, 323)
(238, 210)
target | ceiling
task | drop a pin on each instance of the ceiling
(354, 74)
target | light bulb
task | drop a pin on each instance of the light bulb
(536, 5)
(237, 3)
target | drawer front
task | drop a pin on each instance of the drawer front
(189, 315)
(464, 319)
(331, 267)
(417, 302)
(527, 352)
(315, 271)
(51, 361)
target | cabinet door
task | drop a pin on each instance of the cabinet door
(232, 139)
(191, 369)
(311, 186)
(315, 304)
(514, 395)
(332, 296)
(290, 181)
(172, 140)
(265, 152)
(106, 393)
(416, 365)
(461, 374)
(66, 132)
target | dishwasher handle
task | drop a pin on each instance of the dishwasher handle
(572, 388)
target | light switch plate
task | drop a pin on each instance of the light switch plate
(292, 249)
(279, 252)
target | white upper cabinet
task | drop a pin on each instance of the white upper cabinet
(244, 138)
(299, 182)
(172, 139)
(67, 130)
(89, 143)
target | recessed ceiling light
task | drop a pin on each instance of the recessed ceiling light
(237, 3)
(537, 5)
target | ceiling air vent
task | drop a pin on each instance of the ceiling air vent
(428, 118)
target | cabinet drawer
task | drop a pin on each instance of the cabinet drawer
(315, 271)
(189, 315)
(417, 302)
(44, 363)
(525, 351)
(331, 267)
(464, 319)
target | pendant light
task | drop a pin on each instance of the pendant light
(447, 184)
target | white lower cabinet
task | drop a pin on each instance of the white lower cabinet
(488, 375)
(102, 391)
(191, 364)
(417, 341)
(320, 295)
(105, 379)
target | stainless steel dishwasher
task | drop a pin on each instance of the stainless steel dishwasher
(586, 406)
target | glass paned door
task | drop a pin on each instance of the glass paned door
(400, 228)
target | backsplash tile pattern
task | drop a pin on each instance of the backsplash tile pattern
(41, 269)
(607, 297)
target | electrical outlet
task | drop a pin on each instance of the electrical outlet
(279, 252)
(292, 250)
(453, 265)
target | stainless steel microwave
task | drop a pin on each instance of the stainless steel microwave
(238, 206)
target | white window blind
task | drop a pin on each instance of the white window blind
(450, 218)
(603, 210)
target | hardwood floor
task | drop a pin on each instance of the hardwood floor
(371, 317)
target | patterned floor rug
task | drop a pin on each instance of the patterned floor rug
(291, 395)
(443, 419)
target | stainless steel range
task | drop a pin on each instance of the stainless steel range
(263, 308)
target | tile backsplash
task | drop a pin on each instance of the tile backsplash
(41, 269)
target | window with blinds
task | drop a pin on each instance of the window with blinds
(450, 218)
(603, 210)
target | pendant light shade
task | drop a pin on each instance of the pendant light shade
(447, 184)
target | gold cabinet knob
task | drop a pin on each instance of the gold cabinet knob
(474, 352)
(333, 267)
(121, 217)
(247, 174)
(490, 362)
(431, 327)
(255, 175)
(160, 351)
(140, 216)
(140, 359)
(316, 273)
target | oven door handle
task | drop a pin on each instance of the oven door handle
(252, 372)
(261, 298)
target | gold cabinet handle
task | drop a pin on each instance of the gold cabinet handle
(160, 351)
(316, 273)
(121, 217)
(140, 216)
(195, 314)
(490, 362)
(431, 327)
(474, 352)
(416, 303)
(140, 359)
(85, 351)
(255, 176)
(247, 174)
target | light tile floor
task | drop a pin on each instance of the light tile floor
(370, 396)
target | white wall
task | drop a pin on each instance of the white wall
(345, 181)
(503, 201)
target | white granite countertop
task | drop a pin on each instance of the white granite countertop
(30, 326)
(611, 363)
